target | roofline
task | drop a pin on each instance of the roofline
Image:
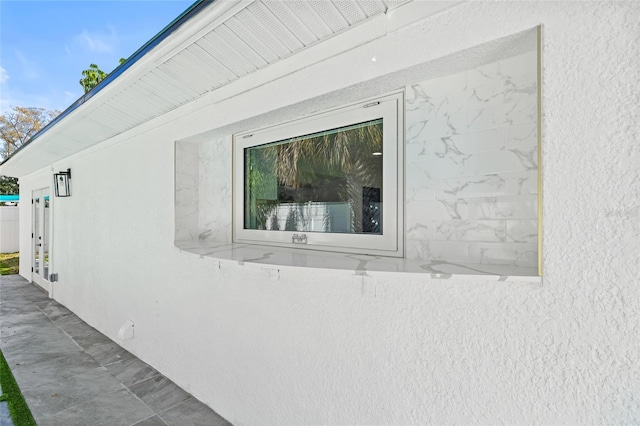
(189, 13)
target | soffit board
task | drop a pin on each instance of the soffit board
(224, 42)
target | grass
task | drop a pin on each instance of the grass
(20, 413)
(9, 263)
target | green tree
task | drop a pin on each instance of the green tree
(17, 126)
(8, 185)
(92, 76)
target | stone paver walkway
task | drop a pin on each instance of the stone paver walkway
(71, 374)
(5, 416)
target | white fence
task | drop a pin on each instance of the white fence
(9, 229)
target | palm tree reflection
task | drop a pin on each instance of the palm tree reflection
(323, 182)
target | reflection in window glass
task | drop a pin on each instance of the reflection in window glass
(329, 181)
(37, 238)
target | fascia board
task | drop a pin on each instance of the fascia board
(18, 165)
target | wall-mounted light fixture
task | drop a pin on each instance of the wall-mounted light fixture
(62, 183)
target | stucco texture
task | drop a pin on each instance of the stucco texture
(267, 345)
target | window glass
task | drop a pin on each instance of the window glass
(329, 181)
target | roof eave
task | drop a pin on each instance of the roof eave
(188, 14)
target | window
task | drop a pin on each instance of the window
(331, 182)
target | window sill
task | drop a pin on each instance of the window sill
(359, 264)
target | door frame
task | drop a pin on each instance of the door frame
(41, 268)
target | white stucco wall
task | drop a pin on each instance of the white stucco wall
(284, 346)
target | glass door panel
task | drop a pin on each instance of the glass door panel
(41, 235)
(45, 237)
(37, 236)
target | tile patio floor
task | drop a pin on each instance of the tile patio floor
(71, 374)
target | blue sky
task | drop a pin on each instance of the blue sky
(45, 45)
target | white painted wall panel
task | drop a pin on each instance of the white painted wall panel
(9, 229)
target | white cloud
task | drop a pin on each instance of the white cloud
(51, 99)
(5, 106)
(29, 68)
(97, 41)
(69, 97)
(4, 75)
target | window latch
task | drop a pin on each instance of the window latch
(299, 239)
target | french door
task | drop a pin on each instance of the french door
(40, 236)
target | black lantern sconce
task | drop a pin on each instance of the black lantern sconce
(62, 183)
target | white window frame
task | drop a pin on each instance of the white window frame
(391, 242)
